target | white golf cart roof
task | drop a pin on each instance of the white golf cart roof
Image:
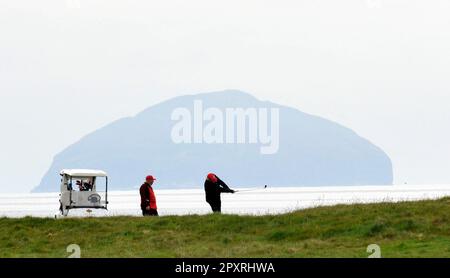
(83, 173)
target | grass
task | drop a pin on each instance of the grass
(406, 229)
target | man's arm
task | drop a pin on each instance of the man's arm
(224, 187)
(145, 200)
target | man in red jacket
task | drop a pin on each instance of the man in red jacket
(148, 198)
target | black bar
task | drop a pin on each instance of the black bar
(106, 194)
(223, 267)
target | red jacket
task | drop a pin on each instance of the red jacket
(148, 197)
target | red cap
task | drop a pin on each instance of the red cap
(148, 178)
(212, 177)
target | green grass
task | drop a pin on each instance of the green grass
(407, 229)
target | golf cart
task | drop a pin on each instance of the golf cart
(79, 190)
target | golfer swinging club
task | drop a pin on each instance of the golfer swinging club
(213, 188)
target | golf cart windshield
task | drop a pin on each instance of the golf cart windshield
(81, 184)
(86, 183)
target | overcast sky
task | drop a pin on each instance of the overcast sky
(381, 68)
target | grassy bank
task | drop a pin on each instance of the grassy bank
(409, 229)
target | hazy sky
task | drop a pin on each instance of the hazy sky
(381, 68)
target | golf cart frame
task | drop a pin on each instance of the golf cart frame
(85, 198)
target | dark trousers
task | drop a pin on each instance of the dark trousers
(216, 206)
(150, 212)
